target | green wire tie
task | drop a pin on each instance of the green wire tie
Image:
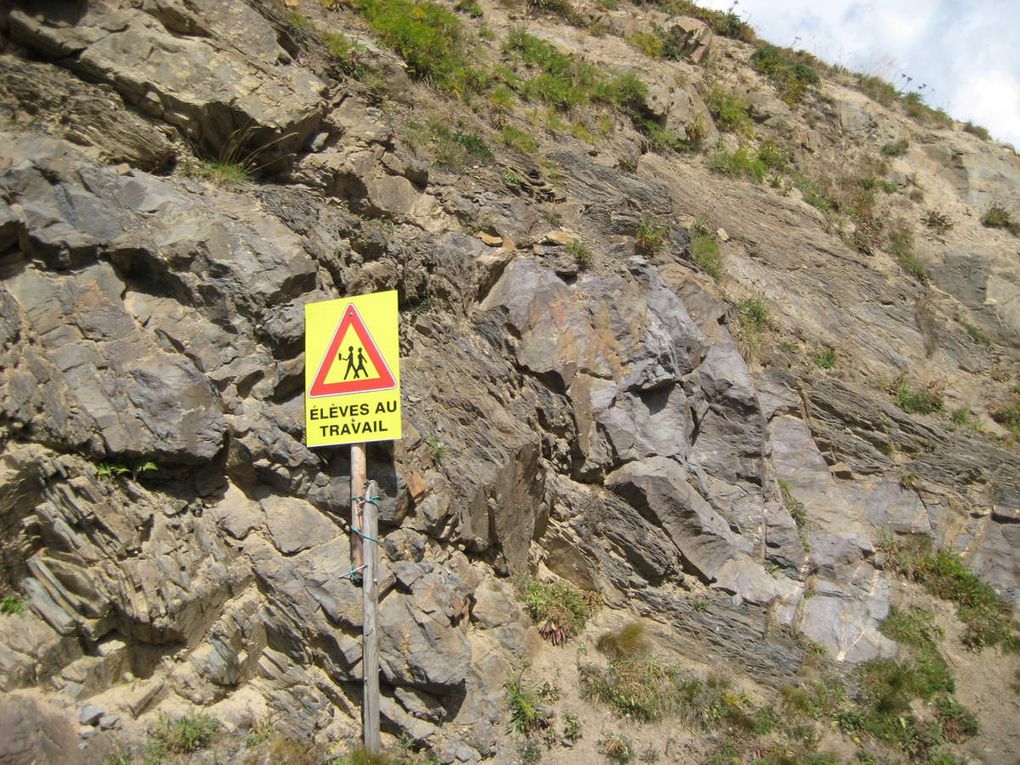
(354, 572)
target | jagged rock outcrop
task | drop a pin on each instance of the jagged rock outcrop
(577, 401)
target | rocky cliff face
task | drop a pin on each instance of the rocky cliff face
(724, 456)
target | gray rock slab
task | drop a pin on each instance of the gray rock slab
(294, 525)
(658, 488)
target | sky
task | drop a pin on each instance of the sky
(965, 52)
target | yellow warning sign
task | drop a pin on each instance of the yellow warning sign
(352, 370)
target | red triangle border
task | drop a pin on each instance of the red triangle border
(385, 380)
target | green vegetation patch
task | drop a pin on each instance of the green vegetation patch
(530, 705)
(12, 605)
(224, 173)
(731, 112)
(790, 71)
(348, 56)
(643, 689)
(706, 255)
(725, 23)
(977, 334)
(824, 358)
(449, 148)
(997, 216)
(980, 132)
(987, 617)
(182, 735)
(793, 505)
(428, 37)
(560, 610)
(901, 245)
(753, 313)
(629, 640)
(916, 108)
(563, 81)
(895, 148)
(650, 237)
(927, 671)
(1008, 414)
(616, 748)
(742, 162)
(518, 139)
(649, 43)
(877, 89)
(582, 256)
(663, 140)
(916, 401)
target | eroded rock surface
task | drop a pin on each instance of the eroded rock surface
(577, 402)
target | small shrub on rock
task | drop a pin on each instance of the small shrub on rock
(791, 72)
(629, 640)
(188, 733)
(737, 163)
(529, 710)
(988, 618)
(914, 401)
(12, 605)
(729, 110)
(895, 148)
(559, 610)
(650, 237)
(980, 132)
(997, 216)
(705, 253)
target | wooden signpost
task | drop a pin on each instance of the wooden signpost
(352, 396)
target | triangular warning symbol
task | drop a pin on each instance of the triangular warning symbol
(383, 379)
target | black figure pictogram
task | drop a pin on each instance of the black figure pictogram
(360, 369)
(350, 361)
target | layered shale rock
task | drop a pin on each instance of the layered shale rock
(578, 403)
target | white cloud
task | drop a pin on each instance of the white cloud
(991, 98)
(963, 51)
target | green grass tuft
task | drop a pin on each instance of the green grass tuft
(650, 237)
(977, 334)
(725, 23)
(529, 705)
(560, 610)
(824, 358)
(731, 112)
(977, 130)
(582, 255)
(705, 253)
(741, 162)
(224, 173)
(997, 216)
(517, 139)
(1008, 415)
(793, 505)
(348, 56)
(12, 605)
(895, 148)
(629, 640)
(917, 109)
(916, 401)
(182, 735)
(790, 71)
(988, 618)
(901, 245)
(428, 37)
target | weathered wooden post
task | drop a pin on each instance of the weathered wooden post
(370, 609)
(352, 396)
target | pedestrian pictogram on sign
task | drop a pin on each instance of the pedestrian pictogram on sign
(352, 370)
(351, 337)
